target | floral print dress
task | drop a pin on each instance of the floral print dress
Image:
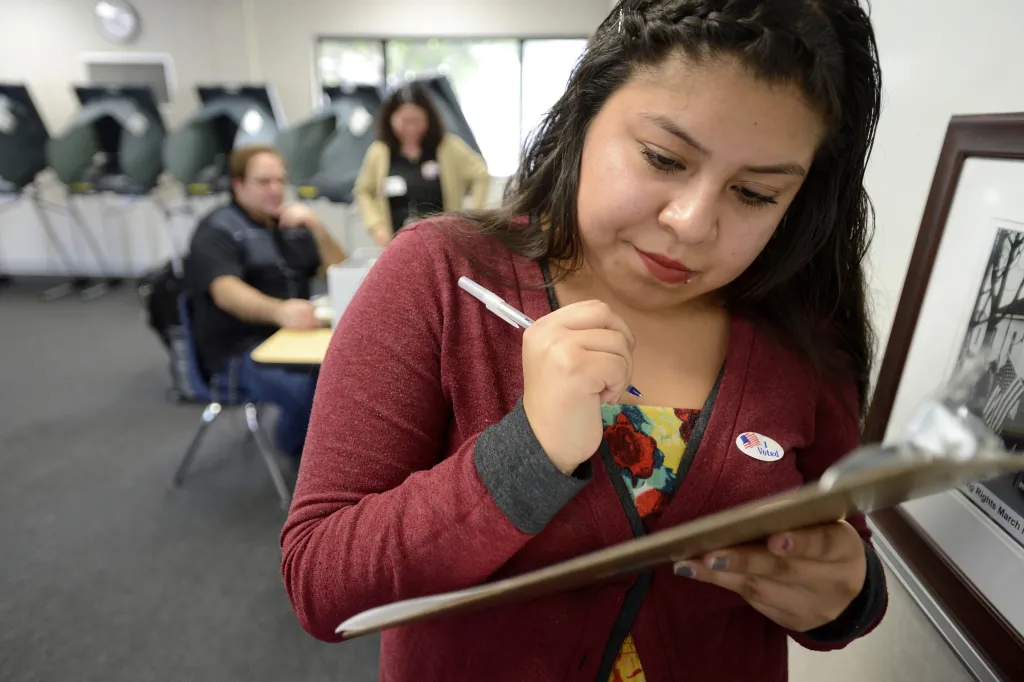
(648, 444)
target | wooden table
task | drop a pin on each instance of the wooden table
(293, 347)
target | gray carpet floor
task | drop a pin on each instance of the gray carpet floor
(105, 572)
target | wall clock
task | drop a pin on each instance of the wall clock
(117, 21)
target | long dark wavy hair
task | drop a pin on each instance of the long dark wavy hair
(807, 287)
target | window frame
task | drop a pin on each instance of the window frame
(86, 60)
(383, 41)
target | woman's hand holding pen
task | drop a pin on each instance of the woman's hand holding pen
(574, 359)
(802, 579)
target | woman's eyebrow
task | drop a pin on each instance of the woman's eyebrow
(673, 128)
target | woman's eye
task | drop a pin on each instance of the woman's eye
(753, 199)
(662, 163)
(659, 162)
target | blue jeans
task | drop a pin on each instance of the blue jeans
(290, 389)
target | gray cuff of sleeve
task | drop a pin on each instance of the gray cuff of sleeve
(524, 483)
(862, 611)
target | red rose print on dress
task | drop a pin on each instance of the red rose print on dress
(649, 503)
(631, 449)
(687, 419)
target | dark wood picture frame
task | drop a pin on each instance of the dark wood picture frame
(995, 136)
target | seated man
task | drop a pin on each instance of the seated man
(248, 274)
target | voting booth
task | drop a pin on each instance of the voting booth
(113, 143)
(23, 139)
(113, 147)
(23, 156)
(325, 151)
(196, 154)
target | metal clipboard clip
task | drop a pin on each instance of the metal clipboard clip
(943, 428)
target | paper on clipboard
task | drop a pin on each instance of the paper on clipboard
(945, 447)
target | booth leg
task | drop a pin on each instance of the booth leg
(5, 279)
(75, 283)
(93, 244)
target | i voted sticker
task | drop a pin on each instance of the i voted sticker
(430, 170)
(759, 447)
(395, 186)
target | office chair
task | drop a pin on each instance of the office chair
(212, 392)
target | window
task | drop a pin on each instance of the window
(359, 62)
(547, 65)
(154, 71)
(504, 85)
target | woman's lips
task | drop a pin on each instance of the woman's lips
(665, 269)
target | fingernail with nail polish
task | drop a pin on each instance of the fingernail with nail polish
(787, 544)
(719, 563)
(684, 570)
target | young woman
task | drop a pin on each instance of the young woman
(691, 220)
(415, 168)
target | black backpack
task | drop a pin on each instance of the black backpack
(158, 294)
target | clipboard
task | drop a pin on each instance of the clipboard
(945, 446)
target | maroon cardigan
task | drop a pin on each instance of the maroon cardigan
(401, 492)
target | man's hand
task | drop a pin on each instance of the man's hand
(300, 215)
(297, 215)
(802, 579)
(296, 313)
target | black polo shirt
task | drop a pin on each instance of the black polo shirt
(422, 184)
(278, 263)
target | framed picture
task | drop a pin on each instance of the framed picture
(963, 298)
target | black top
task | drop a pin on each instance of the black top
(422, 182)
(278, 263)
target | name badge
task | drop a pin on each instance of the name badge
(395, 186)
(430, 170)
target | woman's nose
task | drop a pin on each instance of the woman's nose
(693, 213)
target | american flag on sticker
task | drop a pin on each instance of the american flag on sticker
(750, 440)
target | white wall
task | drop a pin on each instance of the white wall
(222, 40)
(937, 60)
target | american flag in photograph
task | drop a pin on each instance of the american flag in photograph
(1005, 398)
(750, 440)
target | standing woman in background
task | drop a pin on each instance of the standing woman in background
(690, 218)
(415, 167)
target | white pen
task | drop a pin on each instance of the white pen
(497, 305)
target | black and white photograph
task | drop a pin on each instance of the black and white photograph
(995, 332)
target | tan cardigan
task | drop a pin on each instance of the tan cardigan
(461, 170)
